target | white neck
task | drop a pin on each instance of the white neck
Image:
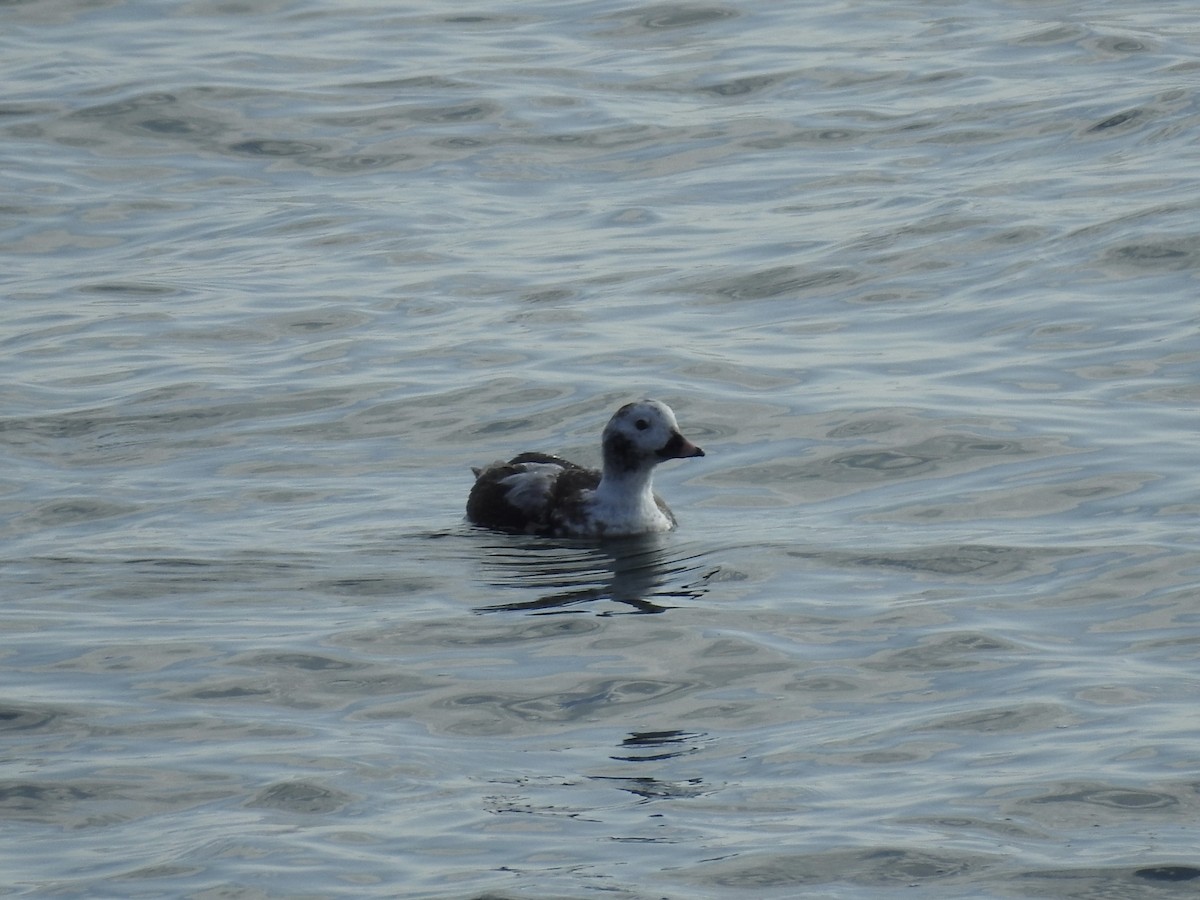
(625, 500)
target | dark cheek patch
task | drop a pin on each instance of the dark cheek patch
(620, 453)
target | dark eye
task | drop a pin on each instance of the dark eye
(641, 424)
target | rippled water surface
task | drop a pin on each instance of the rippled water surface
(920, 277)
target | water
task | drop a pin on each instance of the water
(921, 279)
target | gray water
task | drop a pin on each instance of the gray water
(921, 277)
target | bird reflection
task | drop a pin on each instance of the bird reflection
(645, 575)
(661, 744)
(654, 746)
(655, 788)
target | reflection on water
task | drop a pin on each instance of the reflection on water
(659, 745)
(642, 573)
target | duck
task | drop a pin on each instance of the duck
(540, 494)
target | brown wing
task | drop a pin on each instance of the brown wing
(489, 504)
(486, 504)
(567, 507)
(542, 458)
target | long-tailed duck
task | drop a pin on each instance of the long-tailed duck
(538, 494)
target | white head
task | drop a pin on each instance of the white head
(640, 435)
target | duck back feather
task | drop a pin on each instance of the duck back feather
(532, 493)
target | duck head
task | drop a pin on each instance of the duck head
(640, 435)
